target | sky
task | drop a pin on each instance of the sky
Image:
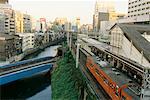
(50, 9)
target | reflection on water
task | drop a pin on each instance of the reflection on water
(28, 87)
(34, 88)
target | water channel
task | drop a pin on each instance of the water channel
(37, 87)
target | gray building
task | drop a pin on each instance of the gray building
(3, 1)
(97, 18)
(2, 23)
(7, 11)
(7, 46)
(27, 24)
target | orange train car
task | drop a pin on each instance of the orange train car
(111, 85)
(106, 82)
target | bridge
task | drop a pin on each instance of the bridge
(26, 68)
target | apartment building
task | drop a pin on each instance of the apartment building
(27, 23)
(18, 22)
(104, 11)
(7, 46)
(139, 10)
(9, 14)
(2, 23)
(27, 40)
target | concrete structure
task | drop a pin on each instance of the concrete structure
(7, 47)
(104, 11)
(27, 40)
(60, 21)
(67, 26)
(139, 10)
(4, 1)
(2, 23)
(41, 25)
(6, 9)
(127, 40)
(85, 28)
(24, 69)
(27, 23)
(19, 22)
(78, 23)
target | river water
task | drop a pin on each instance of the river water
(37, 87)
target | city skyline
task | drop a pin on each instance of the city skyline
(63, 8)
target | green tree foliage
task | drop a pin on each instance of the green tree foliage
(67, 80)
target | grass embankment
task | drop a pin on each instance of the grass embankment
(67, 81)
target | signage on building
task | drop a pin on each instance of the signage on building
(42, 20)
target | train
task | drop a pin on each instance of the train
(111, 87)
(23, 63)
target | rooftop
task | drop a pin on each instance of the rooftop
(120, 78)
(5, 36)
(133, 33)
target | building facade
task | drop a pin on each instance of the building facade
(3, 1)
(127, 40)
(2, 23)
(27, 23)
(139, 10)
(7, 10)
(27, 40)
(18, 22)
(7, 47)
(104, 11)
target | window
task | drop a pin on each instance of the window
(143, 4)
(147, 13)
(147, 7)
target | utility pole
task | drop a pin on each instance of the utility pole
(77, 54)
(77, 51)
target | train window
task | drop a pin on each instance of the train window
(97, 72)
(123, 98)
(91, 65)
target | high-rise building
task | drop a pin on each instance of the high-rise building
(41, 25)
(19, 22)
(139, 10)
(104, 11)
(3, 1)
(60, 21)
(7, 10)
(78, 23)
(2, 23)
(27, 23)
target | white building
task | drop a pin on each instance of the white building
(41, 25)
(2, 23)
(27, 40)
(128, 40)
(139, 10)
(6, 9)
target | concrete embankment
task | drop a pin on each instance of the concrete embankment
(35, 50)
(67, 81)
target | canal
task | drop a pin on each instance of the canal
(37, 87)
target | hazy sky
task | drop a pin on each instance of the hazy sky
(50, 9)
